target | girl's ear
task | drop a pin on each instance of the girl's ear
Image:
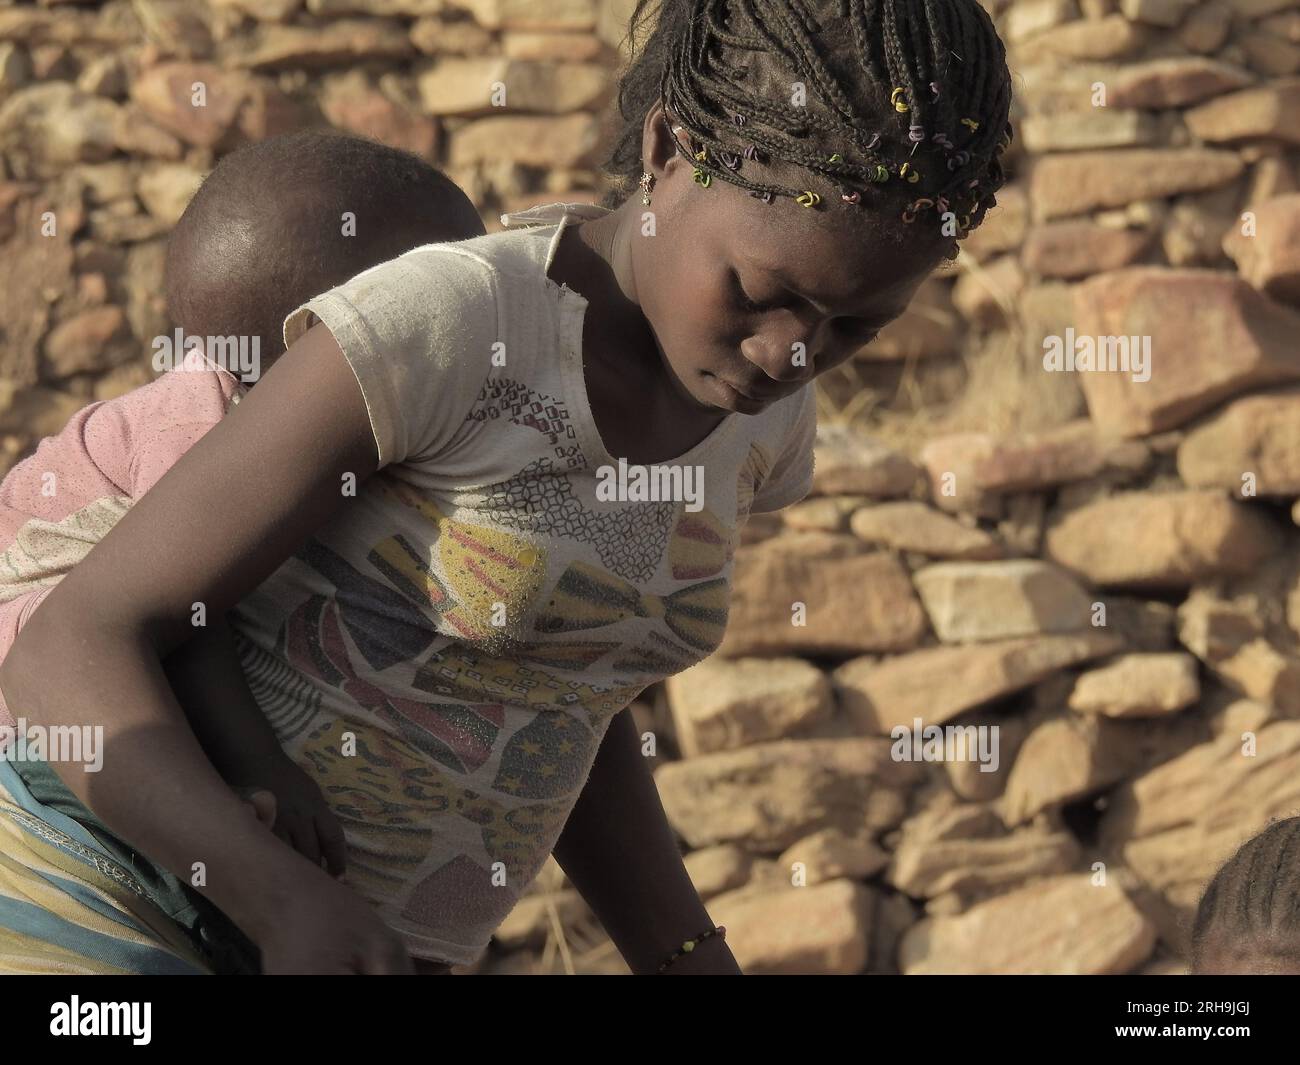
(657, 152)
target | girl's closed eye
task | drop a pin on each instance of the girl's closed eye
(857, 328)
(745, 302)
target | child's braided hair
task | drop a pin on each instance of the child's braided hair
(1253, 902)
(906, 95)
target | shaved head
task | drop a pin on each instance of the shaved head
(281, 221)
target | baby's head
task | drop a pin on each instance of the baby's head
(1248, 921)
(827, 157)
(286, 219)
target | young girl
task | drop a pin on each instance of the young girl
(492, 490)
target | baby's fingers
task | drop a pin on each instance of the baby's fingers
(332, 843)
(261, 802)
(304, 840)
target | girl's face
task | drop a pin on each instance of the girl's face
(750, 301)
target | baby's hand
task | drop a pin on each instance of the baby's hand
(297, 813)
(260, 802)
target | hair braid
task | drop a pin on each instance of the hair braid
(926, 123)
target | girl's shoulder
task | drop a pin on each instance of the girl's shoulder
(526, 239)
(473, 277)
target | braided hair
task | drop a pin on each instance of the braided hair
(900, 102)
(1254, 900)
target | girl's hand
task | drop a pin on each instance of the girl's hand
(300, 815)
(326, 928)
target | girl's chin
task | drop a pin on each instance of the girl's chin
(723, 397)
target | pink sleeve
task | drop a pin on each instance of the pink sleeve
(13, 616)
(118, 447)
(111, 449)
(143, 434)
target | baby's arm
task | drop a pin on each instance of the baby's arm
(209, 683)
(92, 654)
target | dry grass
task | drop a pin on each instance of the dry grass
(995, 383)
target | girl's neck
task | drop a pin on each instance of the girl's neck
(594, 259)
(627, 379)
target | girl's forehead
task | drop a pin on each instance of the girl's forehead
(829, 261)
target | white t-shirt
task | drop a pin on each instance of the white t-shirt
(445, 655)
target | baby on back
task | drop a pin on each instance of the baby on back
(272, 226)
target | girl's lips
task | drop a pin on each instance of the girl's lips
(758, 395)
(739, 398)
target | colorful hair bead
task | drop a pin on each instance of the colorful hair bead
(899, 105)
(909, 217)
(934, 88)
(738, 118)
(702, 177)
(750, 151)
(906, 171)
(851, 197)
(915, 132)
(875, 139)
(765, 196)
(879, 174)
(730, 161)
(942, 140)
(971, 123)
(972, 183)
(942, 204)
(808, 199)
(836, 158)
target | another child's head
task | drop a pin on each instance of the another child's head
(827, 156)
(286, 219)
(1248, 921)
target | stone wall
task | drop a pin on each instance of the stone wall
(1102, 565)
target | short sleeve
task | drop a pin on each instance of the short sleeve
(418, 332)
(791, 476)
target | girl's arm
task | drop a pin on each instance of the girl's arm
(619, 851)
(267, 475)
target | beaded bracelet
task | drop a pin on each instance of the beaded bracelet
(691, 944)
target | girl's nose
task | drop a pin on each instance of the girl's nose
(788, 353)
